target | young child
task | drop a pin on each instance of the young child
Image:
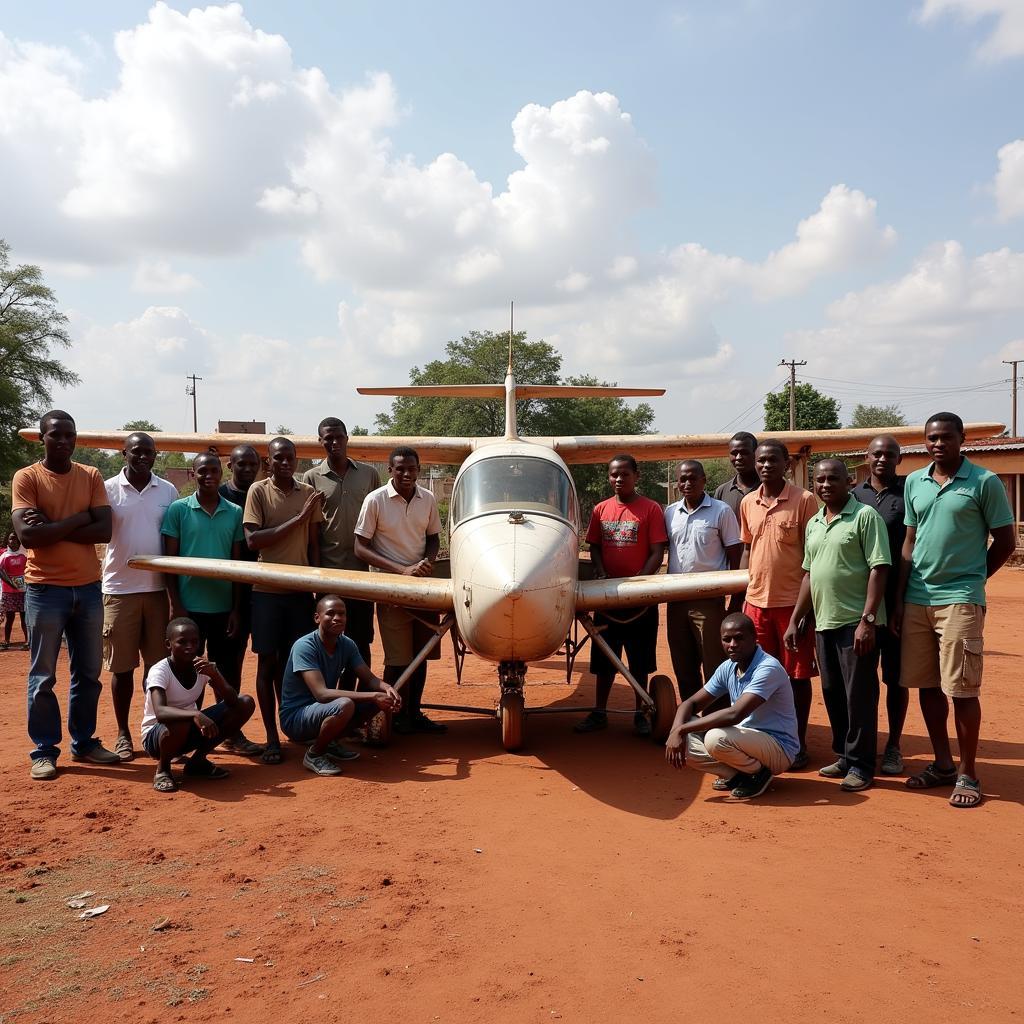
(314, 710)
(12, 589)
(172, 723)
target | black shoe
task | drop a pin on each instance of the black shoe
(424, 724)
(403, 726)
(728, 785)
(594, 722)
(641, 725)
(753, 785)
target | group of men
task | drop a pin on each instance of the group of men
(892, 570)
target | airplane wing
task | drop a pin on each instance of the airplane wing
(635, 591)
(423, 592)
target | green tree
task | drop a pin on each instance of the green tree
(358, 431)
(877, 416)
(814, 411)
(31, 328)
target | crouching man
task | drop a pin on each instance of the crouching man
(755, 737)
(172, 723)
(314, 709)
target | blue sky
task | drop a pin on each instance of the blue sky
(201, 200)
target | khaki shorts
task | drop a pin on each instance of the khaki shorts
(403, 633)
(943, 646)
(134, 624)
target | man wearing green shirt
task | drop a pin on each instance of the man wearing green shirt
(952, 507)
(846, 562)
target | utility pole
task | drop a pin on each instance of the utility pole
(1013, 363)
(190, 389)
(792, 364)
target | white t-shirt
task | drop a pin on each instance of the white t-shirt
(176, 696)
(136, 518)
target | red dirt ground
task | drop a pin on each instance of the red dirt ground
(445, 880)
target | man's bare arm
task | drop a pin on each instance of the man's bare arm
(1004, 543)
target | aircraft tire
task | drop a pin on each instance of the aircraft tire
(664, 694)
(513, 719)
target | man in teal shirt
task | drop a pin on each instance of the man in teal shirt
(952, 508)
(846, 563)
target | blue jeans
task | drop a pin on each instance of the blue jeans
(50, 613)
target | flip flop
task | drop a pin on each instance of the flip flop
(163, 782)
(204, 769)
(966, 792)
(932, 777)
(272, 754)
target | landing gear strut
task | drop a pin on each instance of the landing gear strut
(511, 710)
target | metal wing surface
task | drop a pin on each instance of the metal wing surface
(635, 591)
(422, 592)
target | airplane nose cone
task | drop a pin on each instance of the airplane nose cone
(513, 590)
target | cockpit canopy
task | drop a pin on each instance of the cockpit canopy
(513, 482)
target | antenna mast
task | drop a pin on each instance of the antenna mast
(511, 431)
(511, 323)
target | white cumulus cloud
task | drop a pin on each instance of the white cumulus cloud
(1009, 181)
(158, 276)
(1006, 18)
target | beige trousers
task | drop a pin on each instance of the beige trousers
(724, 752)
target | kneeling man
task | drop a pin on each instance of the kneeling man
(755, 737)
(314, 710)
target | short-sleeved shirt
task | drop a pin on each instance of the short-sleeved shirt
(343, 501)
(237, 497)
(774, 529)
(266, 505)
(625, 532)
(201, 535)
(889, 504)
(732, 492)
(765, 678)
(396, 528)
(951, 546)
(136, 518)
(184, 698)
(13, 563)
(840, 555)
(308, 654)
(697, 540)
(60, 496)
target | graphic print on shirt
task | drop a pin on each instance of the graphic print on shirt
(619, 533)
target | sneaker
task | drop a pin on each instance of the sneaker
(641, 725)
(836, 770)
(892, 761)
(320, 764)
(800, 762)
(753, 785)
(854, 781)
(728, 785)
(97, 754)
(423, 724)
(403, 726)
(44, 768)
(336, 752)
(594, 722)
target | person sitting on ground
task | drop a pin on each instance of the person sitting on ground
(12, 596)
(172, 723)
(314, 709)
(753, 739)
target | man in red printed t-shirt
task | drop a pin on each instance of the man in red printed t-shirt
(627, 538)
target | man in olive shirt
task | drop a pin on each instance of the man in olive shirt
(741, 454)
(345, 485)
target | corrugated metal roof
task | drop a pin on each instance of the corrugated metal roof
(992, 444)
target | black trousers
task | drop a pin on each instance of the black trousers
(849, 686)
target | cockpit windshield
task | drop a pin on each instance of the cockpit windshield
(528, 484)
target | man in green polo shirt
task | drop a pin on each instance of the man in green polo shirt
(846, 563)
(952, 507)
(207, 525)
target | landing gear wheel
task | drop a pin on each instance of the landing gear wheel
(512, 716)
(664, 694)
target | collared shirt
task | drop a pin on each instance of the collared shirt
(767, 679)
(698, 538)
(267, 505)
(732, 492)
(840, 554)
(625, 531)
(397, 528)
(774, 529)
(237, 497)
(201, 535)
(137, 517)
(889, 504)
(949, 565)
(343, 500)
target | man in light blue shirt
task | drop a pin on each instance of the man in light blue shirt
(704, 536)
(755, 737)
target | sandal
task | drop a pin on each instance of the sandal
(163, 782)
(124, 749)
(203, 768)
(931, 777)
(272, 754)
(966, 792)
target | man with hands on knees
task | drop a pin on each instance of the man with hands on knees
(755, 737)
(314, 709)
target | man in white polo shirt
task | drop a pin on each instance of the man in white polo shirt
(134, 601)
(704, 536)
(398, 531)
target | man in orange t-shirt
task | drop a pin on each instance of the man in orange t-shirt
(773, 519)
(627, 538)
(60, 513)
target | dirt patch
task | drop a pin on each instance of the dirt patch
(449, 881)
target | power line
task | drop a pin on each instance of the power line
(757, 401)
(792, 364)
(190, 389)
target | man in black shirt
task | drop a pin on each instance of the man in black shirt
(883, 491)
(741, 454)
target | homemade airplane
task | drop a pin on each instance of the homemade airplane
(514, 535)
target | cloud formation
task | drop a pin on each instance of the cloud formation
(1009, 181)
(1006, 38)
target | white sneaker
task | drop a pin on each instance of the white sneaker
(320, 764)
(44, 768)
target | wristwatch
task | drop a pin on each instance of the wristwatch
(869, 618)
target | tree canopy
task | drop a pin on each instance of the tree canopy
(31, 328)
(877, 416)
(814, 411)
